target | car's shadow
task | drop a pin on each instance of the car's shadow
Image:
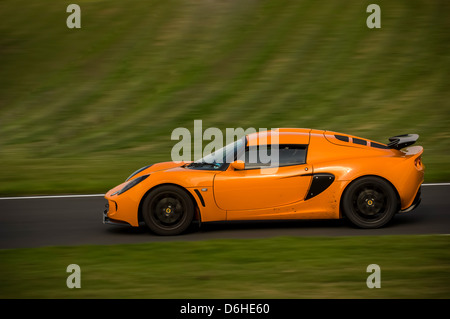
(268, 228)
(272, 224)
(210, 229)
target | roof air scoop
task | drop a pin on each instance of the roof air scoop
(401, 141)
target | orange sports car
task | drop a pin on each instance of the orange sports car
(318, 175)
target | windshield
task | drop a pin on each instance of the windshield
(222, 157)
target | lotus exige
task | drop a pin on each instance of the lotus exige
(319, 175)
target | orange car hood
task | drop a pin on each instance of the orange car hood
(162, 166)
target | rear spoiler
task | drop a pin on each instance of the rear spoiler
(401, 141)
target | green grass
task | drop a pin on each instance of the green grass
(283, 267)
(81, 109)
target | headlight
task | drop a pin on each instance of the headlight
(138, 171)
(131, 184)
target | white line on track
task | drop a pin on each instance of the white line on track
(101, 195)
(53, 196)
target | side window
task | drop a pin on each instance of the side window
(291, 154)
(256, 157)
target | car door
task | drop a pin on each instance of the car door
(259, 186)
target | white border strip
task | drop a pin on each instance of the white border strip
(101, 195)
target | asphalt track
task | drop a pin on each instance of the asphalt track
(62, 221)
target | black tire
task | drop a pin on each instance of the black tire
(168, 210)
(369, 202)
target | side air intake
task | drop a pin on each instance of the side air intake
(320, 182)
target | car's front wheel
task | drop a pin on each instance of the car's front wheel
(168, 210)
(369, 202)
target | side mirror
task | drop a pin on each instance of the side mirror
(238, 165)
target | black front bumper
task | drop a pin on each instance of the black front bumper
(106, 219)
(415, 203)
(110, 221)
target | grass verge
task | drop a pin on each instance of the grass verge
(282, 267)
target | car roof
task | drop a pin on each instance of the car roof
(302, 136)
(280, 136)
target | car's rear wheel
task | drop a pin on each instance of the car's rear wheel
(370, 202)
(168, 210)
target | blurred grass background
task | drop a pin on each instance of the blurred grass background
(80, 109)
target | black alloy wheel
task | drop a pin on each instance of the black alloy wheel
(370, 202)
(168, 210)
